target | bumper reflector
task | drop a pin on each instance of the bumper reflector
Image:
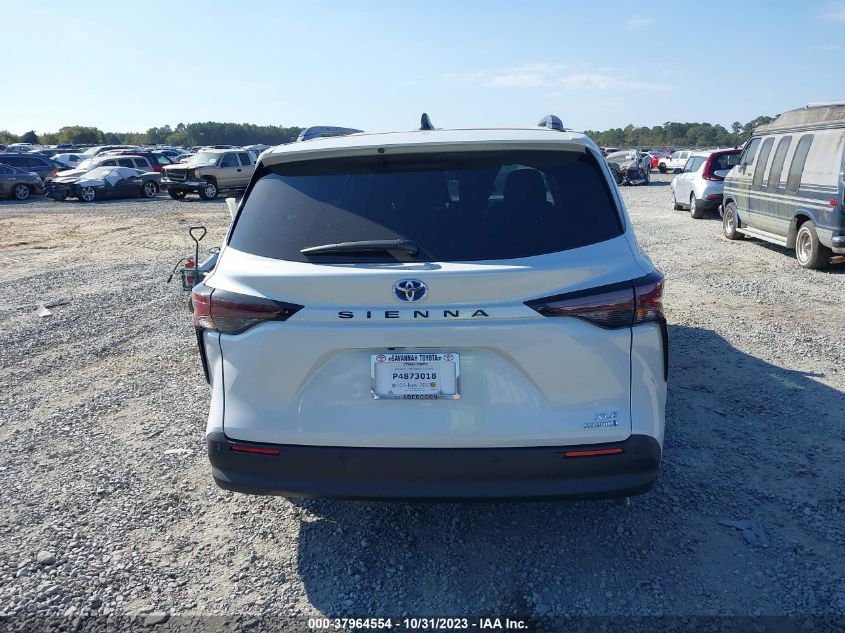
(598, 451)
(261, 450)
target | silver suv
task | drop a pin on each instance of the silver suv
(699, 186)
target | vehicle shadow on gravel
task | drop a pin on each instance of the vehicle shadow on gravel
(835, 268)
(746, 440)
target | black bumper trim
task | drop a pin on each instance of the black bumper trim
(708, 205)
(436, 473)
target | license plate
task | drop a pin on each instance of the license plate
(416, 376)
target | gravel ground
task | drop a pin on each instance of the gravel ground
(109, 506)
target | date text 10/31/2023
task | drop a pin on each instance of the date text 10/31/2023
(418, 624)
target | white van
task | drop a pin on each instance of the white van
(788, 185)
(434, 314)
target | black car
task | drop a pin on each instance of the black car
(106, 182)
(41, 165)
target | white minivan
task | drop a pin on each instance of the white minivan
(434, 314)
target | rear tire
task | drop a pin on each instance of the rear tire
(694, 210)
(809, 252)
(21, 192)
(661, 168)
(730, 223)
(176, 194)
(209, 191)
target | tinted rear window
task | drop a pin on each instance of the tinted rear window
(796, 169)
(760, 167)
(777, 163)
(456, 207)
(724, 161)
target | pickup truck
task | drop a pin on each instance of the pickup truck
(676, 160)
(209, 172)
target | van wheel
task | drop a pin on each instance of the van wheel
(730, 222)
(694, 210)
(809, 252)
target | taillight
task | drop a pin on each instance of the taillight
(594, 452)
(648, 298)
(259, 450)
(233, 313)
(708, 170)
(613, 306)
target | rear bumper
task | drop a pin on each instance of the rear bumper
(435, 473)
(709, 203)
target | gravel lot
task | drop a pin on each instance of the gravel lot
(109, 506)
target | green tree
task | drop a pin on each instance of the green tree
(6, 137)
(29, 137)
(80, 134)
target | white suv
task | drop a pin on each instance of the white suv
(700, 186)
(434, 314)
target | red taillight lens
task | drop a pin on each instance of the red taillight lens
(259, 450)
(707, 173)
(610, 309)
(614, 306)
(592, 453)
(233, 313)
(648, 295)
(201, 300)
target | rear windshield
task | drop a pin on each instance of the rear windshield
(724, 161)
(455, 207)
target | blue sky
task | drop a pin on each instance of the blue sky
(377, 65)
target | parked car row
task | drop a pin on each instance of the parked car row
(664, 161)
(125, 171)
(786, 186)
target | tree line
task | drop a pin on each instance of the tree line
(186, 135)
(670, 134)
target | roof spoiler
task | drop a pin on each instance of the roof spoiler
(320, 131)
(822, 104)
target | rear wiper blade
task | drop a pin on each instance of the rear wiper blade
(363, 246)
